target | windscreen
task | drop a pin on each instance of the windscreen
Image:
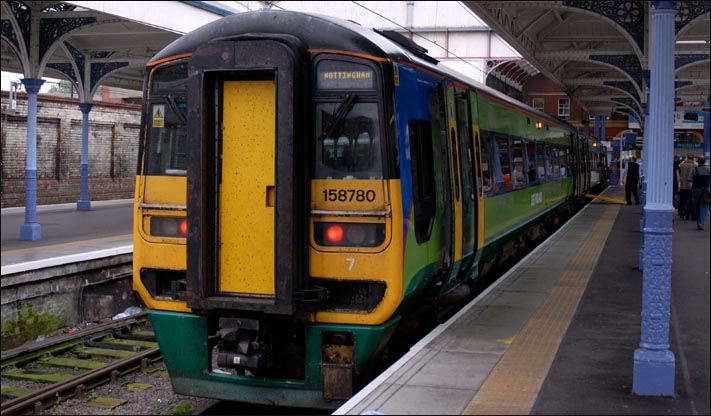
(347, 122)
(166, 126)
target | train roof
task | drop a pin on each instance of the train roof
(316, 31)
(326, 32)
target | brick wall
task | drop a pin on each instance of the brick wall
(113, 147)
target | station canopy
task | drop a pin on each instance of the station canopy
(595, 51)
(598, 52)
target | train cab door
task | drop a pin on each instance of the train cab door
(247, 186)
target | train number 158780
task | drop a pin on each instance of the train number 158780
(348, 195)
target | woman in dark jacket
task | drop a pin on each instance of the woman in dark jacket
(699, 178)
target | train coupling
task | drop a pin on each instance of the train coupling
(239, 344)
(253, 362)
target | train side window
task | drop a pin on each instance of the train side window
(465, 149)
(531, 159)
(518, 177)
(486, 166)
(480, 162)
(563, 159)
(455, 161)
(423, 174)
(541, 163)
(503, 170)
(549, 164)
(555, 163)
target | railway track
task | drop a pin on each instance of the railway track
(42, 374)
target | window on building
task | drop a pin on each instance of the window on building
(538, 103)
(564, 108)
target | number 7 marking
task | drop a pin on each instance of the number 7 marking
(352, 262)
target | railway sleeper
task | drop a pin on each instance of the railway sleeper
(14, 391)
(104, 352)
(125, 345)
(71, 363)
(36, 376)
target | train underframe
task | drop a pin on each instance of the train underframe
(267, 360)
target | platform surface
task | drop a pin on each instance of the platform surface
(557, 333)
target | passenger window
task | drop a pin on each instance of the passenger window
(503, 171)
(455, 161)
(563, 160)
(486, 169)
(549, 163)
(531, 157)
(555, 164)
(518, 178)
(423, 184)
(541, 162)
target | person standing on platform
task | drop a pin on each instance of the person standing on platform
(632, 181)
(699, 180)
(685, 168)
(675, 189)
(614, 180)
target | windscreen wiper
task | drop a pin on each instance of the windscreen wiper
(176, 110)
(341, 112)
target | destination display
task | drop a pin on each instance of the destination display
(338, 75)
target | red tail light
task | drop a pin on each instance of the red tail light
(334, 233)
(184, 227)
(349, 234)
(169, 227)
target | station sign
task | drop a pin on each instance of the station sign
(683, 120)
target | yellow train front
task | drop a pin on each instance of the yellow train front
(303, 184)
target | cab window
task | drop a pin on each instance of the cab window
(166, 121)
(347, 121)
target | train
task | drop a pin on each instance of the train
(306, 184)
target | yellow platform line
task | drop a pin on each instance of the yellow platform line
(513, 385)
(607, 198)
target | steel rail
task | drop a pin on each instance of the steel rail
(53, 341)
(50, 392)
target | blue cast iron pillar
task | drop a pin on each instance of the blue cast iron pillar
(31, 230)
(83, 204)
(654, 363)
(603, 128)
(643, 194)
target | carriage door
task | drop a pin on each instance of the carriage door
(246, 229)
(579, 166)
(248, 183)
(452, 144)
(468, 191)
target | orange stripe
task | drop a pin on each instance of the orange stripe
(170, 58)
